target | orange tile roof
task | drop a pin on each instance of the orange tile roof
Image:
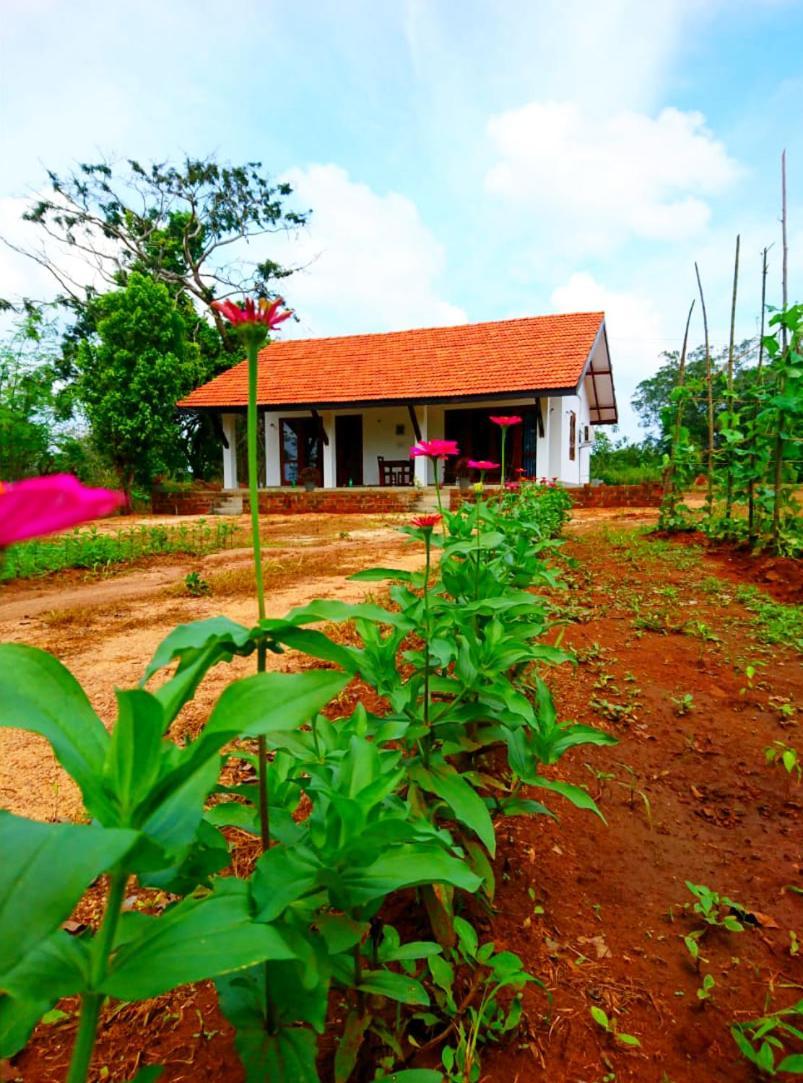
(537, 353)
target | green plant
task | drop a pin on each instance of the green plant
(609, 1025)
(684, 703)
(196, 585)
(145, 797)
(706, 988)
(786, 756)
(715, 910)
(98, 550)
(761, 1040)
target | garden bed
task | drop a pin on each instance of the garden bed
(595, 910)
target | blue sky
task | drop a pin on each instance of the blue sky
(463, 161)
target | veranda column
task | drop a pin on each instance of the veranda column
(423, 474)
(329, 463)
(229, 422)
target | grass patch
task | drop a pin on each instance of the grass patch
(773, 622)
(99, 551)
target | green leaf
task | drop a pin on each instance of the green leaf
(197, 939)
(467, 937)
(133, 756)
(56, 967)
(289, 1055)
(348, 1047)
(599, 1017)
(198, 646)
(386, 983)
(329, 609)
(44, 871)
(372, 575)
(18, 1017)
(627, 1039)
(792, 1063)
(443, 780)
(38, 694)
(406, 866)
(268, 703)
(412, 1075)
(186, 640)
(576, 794)
(149, 1074)
(318, 645)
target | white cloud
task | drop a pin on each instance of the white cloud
(369, 262)
(602, 181)
(636, 335)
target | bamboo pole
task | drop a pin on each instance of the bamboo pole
(752, 530)
(778, 472)
(671, 484)
(729, 459)
(709, 496)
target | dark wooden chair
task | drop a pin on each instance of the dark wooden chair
(395, 471)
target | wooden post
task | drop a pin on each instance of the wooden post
(729, 459)
(709, 496)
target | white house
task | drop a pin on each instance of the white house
(349, 408)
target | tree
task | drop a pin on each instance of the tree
(28, 424)
(653, 395)
(183, 225)
(130, 376)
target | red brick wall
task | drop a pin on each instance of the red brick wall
(334, 501)
(648, 495)
(200, 500)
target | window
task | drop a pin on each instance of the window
(572, 435)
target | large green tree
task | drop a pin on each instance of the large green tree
(130, 375)
(653, 395)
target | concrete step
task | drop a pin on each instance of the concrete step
(428, 501)
(229, 505)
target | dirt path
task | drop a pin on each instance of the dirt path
(106, 631)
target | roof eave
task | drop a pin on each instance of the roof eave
(364, 404)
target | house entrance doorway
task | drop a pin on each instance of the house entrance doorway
(478, 438)
(348, 450)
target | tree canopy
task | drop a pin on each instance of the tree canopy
(130, 375)
(185, 225)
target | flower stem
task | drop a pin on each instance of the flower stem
(91, 1002)
(253, 481)
(504, 441)
(428, 545)
(477, 557)
(438, 490)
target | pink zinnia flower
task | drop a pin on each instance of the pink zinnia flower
(253, 312)
(512, 486)
(434, 449)
(426, 522)
(37, 506)
(505, 422)
(481, 464)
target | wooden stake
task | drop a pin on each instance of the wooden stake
(778, 473)
(671, 486)
(728, 461)
(752, 524)
(709, 496)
